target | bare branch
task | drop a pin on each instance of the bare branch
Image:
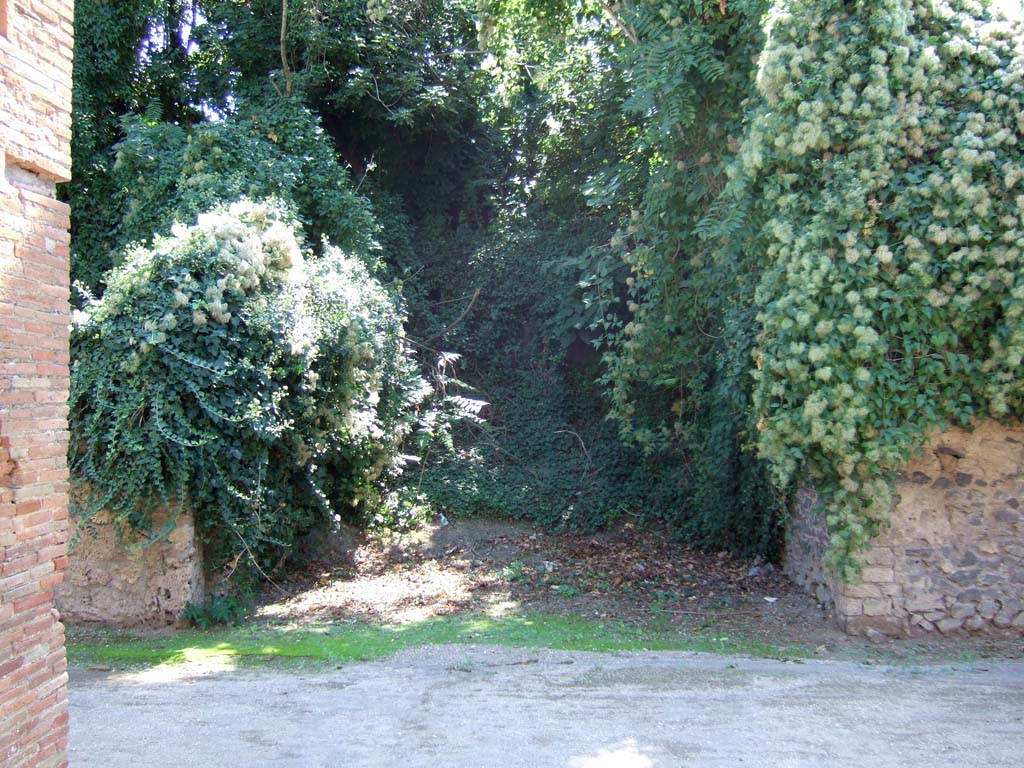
(284, 48)
(459, 319)
(613, 13)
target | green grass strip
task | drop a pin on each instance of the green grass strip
(336, 643)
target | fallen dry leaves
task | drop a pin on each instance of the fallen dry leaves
(473, 565)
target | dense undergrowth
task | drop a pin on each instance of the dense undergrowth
(226, 372)
(689, 253)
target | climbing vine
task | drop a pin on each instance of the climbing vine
(226, 372)
(882, 166)
(771, 240)
(675, 318)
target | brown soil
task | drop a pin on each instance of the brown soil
(627, 574)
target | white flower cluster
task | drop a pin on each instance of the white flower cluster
(214, 265)
(884, 153)
(245, 257)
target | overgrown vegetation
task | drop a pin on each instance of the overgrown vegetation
(226, 372)
(691, 253)
(882, 166)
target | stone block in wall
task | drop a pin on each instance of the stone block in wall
(863, 624)
(880, 556)
(924, 602)
(120, 583)
(874, 574)
(953, 557)
(859, 590)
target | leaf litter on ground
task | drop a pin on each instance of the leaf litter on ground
(626, 573)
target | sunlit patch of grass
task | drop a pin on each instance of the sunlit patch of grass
(343, 642)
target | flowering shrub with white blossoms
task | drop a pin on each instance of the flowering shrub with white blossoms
(884, 164)
(224, 371)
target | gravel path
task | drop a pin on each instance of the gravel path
(487, 707)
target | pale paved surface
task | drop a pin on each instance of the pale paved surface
(492, 707)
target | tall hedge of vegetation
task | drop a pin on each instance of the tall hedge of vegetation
(678, 320)
(692, 253)
(882, 166)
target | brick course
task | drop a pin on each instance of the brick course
(35, 128)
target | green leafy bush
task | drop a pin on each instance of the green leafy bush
(225, 371)
(163, 173)
(217, 610)
(266, 148)
(672, 311)
(882, 168)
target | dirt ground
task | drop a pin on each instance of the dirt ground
(468, 706)
(626, 574)
(913, 703)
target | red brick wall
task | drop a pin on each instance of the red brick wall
(35, 96)
(35, 85)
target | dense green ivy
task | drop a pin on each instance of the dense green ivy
(673, 315)
(226, 372)
(882, 166)
(580, 151)
(320, 425)
(759, 236)
(268, 147)
(107, 38)
(545, 453)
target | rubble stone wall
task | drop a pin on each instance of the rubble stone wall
(952, 559)
(118, 583)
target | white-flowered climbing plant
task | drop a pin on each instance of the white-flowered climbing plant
(883, 165)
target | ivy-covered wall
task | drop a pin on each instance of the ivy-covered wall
(773, 239)
(882, 167)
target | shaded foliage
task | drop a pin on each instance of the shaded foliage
(608, 210)
(267, 147)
